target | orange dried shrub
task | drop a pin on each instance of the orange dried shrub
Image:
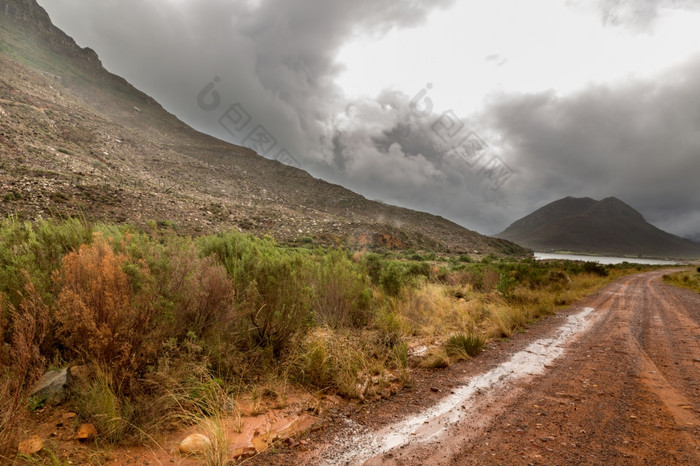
(100, 316)
(22, 331)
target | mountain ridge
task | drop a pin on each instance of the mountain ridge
(608, 226)
(76, 139)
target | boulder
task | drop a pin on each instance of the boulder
(52, 387)
(195, 444)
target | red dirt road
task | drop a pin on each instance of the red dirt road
(625, 389)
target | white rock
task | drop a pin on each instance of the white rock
(194, 444)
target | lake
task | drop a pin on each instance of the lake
(603, 259)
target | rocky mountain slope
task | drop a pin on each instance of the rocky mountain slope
(585, 225)
(76, 139)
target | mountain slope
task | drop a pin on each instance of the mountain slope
(75, 138)
(585, 225)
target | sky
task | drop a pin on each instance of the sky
(479, 111)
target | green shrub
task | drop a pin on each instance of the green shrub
(595, 268)
(331, 361)
(419, 269)
(461, 344)
(272, 295)
(390, 329)
(392, 279)
(341, 291)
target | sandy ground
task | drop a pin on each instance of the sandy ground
(613, 380)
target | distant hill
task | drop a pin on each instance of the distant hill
(585, 225)
(77, 139)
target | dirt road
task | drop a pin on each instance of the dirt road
(615, 380)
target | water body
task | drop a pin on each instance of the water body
(603, 259)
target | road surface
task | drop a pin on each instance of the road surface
(616, 380)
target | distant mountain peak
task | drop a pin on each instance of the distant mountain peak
(608, 226)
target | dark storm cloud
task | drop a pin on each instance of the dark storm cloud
(638, 141)
(275, 59)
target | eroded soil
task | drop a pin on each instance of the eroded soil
(620, 388)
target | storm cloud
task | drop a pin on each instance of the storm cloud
(638, 141)
(275, 63)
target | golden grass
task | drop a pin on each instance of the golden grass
(689, 279)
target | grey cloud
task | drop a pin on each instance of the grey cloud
(276, 58)
(638, 15)
(638, 141)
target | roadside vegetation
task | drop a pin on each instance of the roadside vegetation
(173, 329)
(685, 279)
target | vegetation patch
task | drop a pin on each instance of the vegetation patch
(689, 279)
(175, 329)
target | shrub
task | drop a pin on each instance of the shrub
(272, 295)
(98, 401)
(505, 285)
(390, 329)
(419, 269)
(196, 292)
(373, 264)
(331, 361)
(341, 293)
(100, 317)
(21, 363)
(461, 344)
(391, 279)
(595, 268)
(37, 249)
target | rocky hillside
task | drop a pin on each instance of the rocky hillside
(76, 139)
(585, 225)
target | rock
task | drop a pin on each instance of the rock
(86, 432)
(52, 387)
(79, 374)
(195, 444)
(30, 446)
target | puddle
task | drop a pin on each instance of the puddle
(428, 425)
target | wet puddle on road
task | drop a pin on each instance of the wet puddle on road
(430, 424)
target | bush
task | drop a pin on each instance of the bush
(272, 295)
(462, 344)
(196, 293)
(391, 279)
(330, 361)
(100, 317)
(595, 268)
(37, 249)
(21, 363)
(341, 292)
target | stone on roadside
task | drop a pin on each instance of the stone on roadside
(195, 444)
(51, 387)
(30, 446)
(86, 432)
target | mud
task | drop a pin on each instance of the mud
(615, 380)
